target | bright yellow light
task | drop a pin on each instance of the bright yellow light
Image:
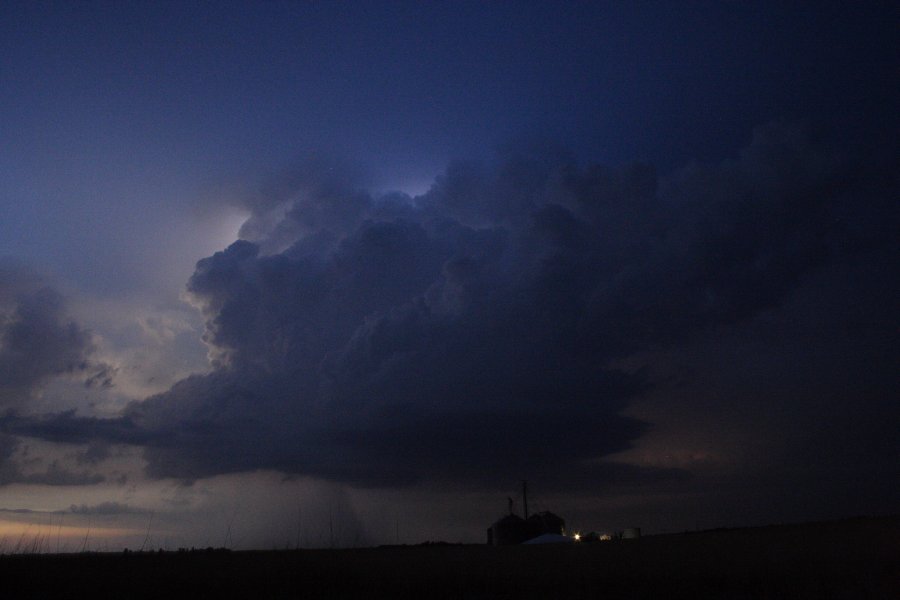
(577, 536)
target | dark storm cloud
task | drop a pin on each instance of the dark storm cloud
(38, 341)
(55, 474)
(473, 333)
(103, 508)
(96, 452)
(8, 445)
(68, 428)
(106, 508)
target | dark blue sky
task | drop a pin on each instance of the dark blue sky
(430, 81)
(746, 191)
(111, 107)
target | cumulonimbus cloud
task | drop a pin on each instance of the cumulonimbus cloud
(476, 330)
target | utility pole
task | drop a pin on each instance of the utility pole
(525, 497)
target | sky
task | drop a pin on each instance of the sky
(347, 273)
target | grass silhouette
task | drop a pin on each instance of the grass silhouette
(858, 558)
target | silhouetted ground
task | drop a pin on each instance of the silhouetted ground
(857, 558)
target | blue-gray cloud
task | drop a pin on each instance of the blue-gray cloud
(477, 331)
(39, 341)
(54, 474)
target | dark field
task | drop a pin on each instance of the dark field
(858, 558)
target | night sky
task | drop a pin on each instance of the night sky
(347, 273)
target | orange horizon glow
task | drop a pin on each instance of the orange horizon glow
(13, 533)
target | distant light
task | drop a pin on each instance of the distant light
(577, 536)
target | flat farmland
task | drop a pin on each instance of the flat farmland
(854, 558)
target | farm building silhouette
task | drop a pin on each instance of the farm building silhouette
(513, 529)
